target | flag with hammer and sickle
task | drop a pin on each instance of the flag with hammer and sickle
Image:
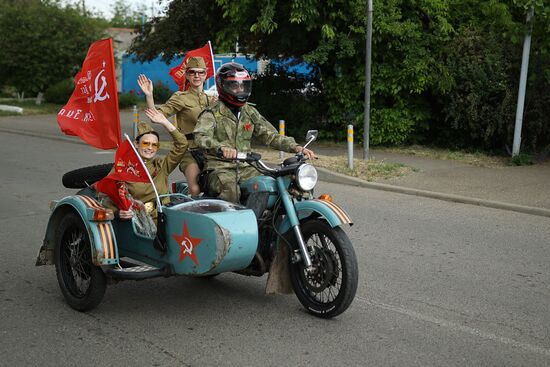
(92, 111)
(178, 73)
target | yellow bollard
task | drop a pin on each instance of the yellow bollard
(136, 120)
(350, 146)
(281, 132)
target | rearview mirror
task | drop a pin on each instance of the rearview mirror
(312, 135)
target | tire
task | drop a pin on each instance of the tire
(83, 177)
(82, 283)
(330, 288)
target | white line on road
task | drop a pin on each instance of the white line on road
(457, 327)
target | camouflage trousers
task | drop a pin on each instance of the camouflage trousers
(224, 182)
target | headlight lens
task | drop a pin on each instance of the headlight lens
(306, 177)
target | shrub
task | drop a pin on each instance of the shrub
(161, 93)
(521, 159)
(295, 98)
(60, 92)
(479, 109)
(390, 126)
(8, 92)
(127, 100)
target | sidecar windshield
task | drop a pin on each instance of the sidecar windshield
(207, 206)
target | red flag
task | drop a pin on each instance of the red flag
(92, 111)
(127, 168)
(178, 72)
(116, 190)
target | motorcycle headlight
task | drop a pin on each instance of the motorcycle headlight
(306, 177)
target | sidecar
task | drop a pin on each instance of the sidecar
(90, 248)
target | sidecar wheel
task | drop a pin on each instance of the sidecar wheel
(330, 287)
(82, 283)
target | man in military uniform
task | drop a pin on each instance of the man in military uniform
(229, 126)
(186, 106)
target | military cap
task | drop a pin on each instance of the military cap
(196, 62)
(144, 128)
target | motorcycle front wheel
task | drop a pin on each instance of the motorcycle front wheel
(329, 287)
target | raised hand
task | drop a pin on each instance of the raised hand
(156, 116)
(145, 84)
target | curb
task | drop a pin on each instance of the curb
(334, 177)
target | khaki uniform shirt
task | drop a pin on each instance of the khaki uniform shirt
(218, 127)
(160, 168)
(187, 106)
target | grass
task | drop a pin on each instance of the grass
(474, 158)
(29, 107)
(371, 170)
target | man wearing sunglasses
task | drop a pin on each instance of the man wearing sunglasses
(231, 125)
(186, 105)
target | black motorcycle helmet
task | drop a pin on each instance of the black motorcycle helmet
(234, 84)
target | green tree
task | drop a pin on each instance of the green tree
(42, 43)
(329, 34)
(423, 88)
(125, 16)
(188, 24)
(484, 60)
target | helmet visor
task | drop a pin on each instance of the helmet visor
(237, 87)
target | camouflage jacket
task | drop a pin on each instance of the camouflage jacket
(218, 127)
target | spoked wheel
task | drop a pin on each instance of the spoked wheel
(329, 287)
(82, 283)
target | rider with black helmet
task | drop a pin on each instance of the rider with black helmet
(234, 84)
(230, 125)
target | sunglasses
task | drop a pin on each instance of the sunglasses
(196, 72)
(147, 144)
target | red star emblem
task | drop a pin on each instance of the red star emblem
(248, 126)
(187, 244)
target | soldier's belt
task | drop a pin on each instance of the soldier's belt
(150, 207)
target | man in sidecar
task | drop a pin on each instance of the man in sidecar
(229, 126)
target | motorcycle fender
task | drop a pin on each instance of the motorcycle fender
(331, 212)
(102, 239)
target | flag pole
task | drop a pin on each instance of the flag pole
(159, 208)
(212, 56)
(116, 88)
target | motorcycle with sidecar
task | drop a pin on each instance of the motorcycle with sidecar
(279, 228)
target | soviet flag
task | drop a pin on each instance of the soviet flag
(178, 73)
(128, 167)
(92, 111)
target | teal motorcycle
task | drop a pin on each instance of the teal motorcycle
(279, 228)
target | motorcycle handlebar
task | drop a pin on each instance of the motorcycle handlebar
(252, 158)
(241, 156)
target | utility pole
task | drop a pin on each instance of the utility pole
(522, 83)
(368, 57)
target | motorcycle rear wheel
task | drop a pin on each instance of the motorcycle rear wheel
(330, 287)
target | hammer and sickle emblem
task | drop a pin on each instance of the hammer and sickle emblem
(100, 93)
(188, 245)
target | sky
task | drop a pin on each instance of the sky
(104, 6)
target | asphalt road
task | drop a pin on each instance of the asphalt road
(441, 284)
